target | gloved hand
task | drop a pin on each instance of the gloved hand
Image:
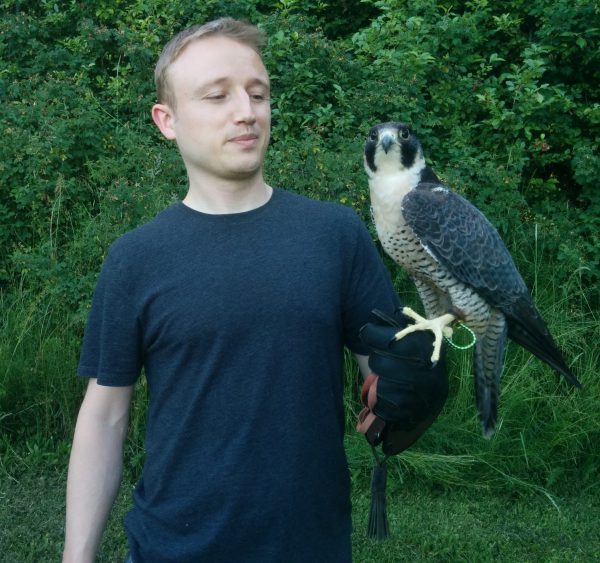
(404, 393)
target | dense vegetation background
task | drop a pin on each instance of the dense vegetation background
(504, 96)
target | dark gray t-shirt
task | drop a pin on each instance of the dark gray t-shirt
(239, 322)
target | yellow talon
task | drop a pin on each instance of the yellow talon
(439, 326)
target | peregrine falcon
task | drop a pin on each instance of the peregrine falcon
(457, 260)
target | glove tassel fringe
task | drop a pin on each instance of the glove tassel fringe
(378, 522)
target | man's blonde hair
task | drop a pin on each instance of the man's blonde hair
(243, 32)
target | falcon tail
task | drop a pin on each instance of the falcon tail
(486, 396)
(527, 328)
(489, 359)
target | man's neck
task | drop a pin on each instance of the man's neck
(219, 197)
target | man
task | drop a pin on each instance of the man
(237, 303)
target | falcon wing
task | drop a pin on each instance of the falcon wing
(464, 242)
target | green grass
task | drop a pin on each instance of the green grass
(529, 494)
(428, 522)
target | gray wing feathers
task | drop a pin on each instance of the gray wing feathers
(460, 237)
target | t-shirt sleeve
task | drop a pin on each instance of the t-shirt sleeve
(369, 287)
(111, 350)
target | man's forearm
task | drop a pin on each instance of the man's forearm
(95, 470)
(363, 364)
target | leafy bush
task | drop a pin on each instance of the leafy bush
(507, 90)
(503, 96)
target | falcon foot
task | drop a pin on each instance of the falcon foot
(439, 326)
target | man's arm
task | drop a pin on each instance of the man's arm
(363, 364)
(95, 468)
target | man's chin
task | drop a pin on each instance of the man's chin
(243, 173)
(241, 169)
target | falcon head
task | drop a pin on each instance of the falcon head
(393, 148)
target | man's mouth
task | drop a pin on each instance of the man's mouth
(247, 139)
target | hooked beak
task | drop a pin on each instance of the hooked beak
(386, 142)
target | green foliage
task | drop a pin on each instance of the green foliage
(505, 89)
(503, 95)
(38, 396)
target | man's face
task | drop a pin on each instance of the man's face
(222, 117)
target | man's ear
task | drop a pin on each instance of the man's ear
(163, 116)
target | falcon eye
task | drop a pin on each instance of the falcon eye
(373, 135)
(404, 134)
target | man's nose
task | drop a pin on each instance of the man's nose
(244, 110)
